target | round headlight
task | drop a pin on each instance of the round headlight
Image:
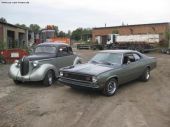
(61, 73)
(35, 63)
(94, 79)
(17, 63)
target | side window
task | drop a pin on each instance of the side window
(70, 51)
(63, 51)
(128, 58)
(131, 58)
(136, 56)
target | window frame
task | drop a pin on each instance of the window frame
(68, 51)
(127, 55)
(137, 55)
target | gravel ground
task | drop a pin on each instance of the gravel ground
(136, 104)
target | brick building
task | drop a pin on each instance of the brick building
(13, 36)
(154, 28)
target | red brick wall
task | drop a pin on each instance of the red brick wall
(133, 29)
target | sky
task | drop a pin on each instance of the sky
(71, 14)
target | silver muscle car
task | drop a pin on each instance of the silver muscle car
(44, 64)
(108, 69)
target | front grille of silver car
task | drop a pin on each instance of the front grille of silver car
(78, 76)
(24, 66)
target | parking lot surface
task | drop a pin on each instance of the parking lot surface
(136, 104)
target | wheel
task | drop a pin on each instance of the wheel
(49, 78)
(146, 75)
(110, 87)
(17, 82)
(167, 52)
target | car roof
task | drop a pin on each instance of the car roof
(56, 44)
(118, 51)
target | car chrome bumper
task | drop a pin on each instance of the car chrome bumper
(14, 73)
(77, 83)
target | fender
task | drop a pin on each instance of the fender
(114, 76)
(40, 72)
(77, 60)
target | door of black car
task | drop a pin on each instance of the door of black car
(65, 56)
(129, 68)
(139, 64)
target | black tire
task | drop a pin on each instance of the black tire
(49, 78)
(146, 75)
(110, 87)
(17, 82)
(167, 52)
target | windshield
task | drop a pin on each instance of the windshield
(107, 58)
(45, 49)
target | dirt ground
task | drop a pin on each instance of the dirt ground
(136, 104)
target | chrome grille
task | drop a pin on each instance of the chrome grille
(24, 66)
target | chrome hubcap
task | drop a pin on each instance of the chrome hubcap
(50, 79)
(147, 74)
(111, 87)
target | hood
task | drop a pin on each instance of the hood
(90, 68)
(40, 56)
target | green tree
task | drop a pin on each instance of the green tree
(56, 30)
(68, 34)
(21, 25)
(86, 34)
(81, 34)
(61, 34)
(77, 34)
(2, 19)
(34, 28)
